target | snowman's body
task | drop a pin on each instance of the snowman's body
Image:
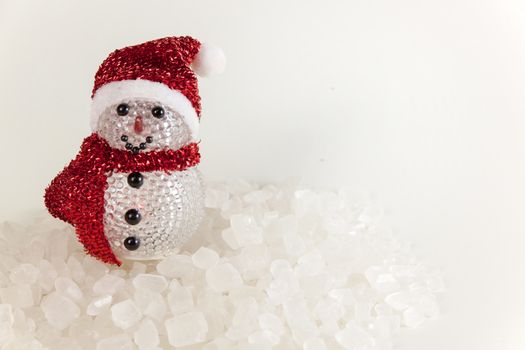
(171, 207)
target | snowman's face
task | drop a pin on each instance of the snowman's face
(142, 125)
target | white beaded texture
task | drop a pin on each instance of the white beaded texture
(170, 204)
(171, 209)
(168, 132)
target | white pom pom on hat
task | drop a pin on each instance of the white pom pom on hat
(209, 61)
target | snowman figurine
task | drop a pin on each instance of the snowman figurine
(134, 190)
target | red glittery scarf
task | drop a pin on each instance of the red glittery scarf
(76, 195)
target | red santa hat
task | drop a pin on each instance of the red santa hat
(163, 70)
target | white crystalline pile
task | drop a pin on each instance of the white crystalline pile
(273, 267)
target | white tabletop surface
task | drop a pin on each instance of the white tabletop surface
(419, 102)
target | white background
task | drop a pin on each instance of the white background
(419, 102)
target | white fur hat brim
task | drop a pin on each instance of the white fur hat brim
(118, 91)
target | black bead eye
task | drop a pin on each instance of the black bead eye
(158, 112)
(122, 109)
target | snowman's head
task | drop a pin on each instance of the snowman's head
(142, 125)
(146, 96)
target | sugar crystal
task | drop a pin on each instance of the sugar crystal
(186, 329)
(412, 318)
(6, 323)
(180, 300)
(354, 337)
(245, 230)
(125, 314)
(24, 274)
(204, 258)
(176, 266)
(18, 295)
(116, 342)
(99, 304)
(59, 310)
(108, 284)
(271, 322)
(147, 335)
(315, 344)
(154, 283)
(69, 288)
(223, 277)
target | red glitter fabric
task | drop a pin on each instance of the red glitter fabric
(76, 195)
(165, 61)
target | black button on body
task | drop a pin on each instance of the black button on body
(132, 216)
(135, 180)
(131, 243)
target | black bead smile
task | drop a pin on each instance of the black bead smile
(136, 149)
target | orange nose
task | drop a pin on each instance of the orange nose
(138, 127)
